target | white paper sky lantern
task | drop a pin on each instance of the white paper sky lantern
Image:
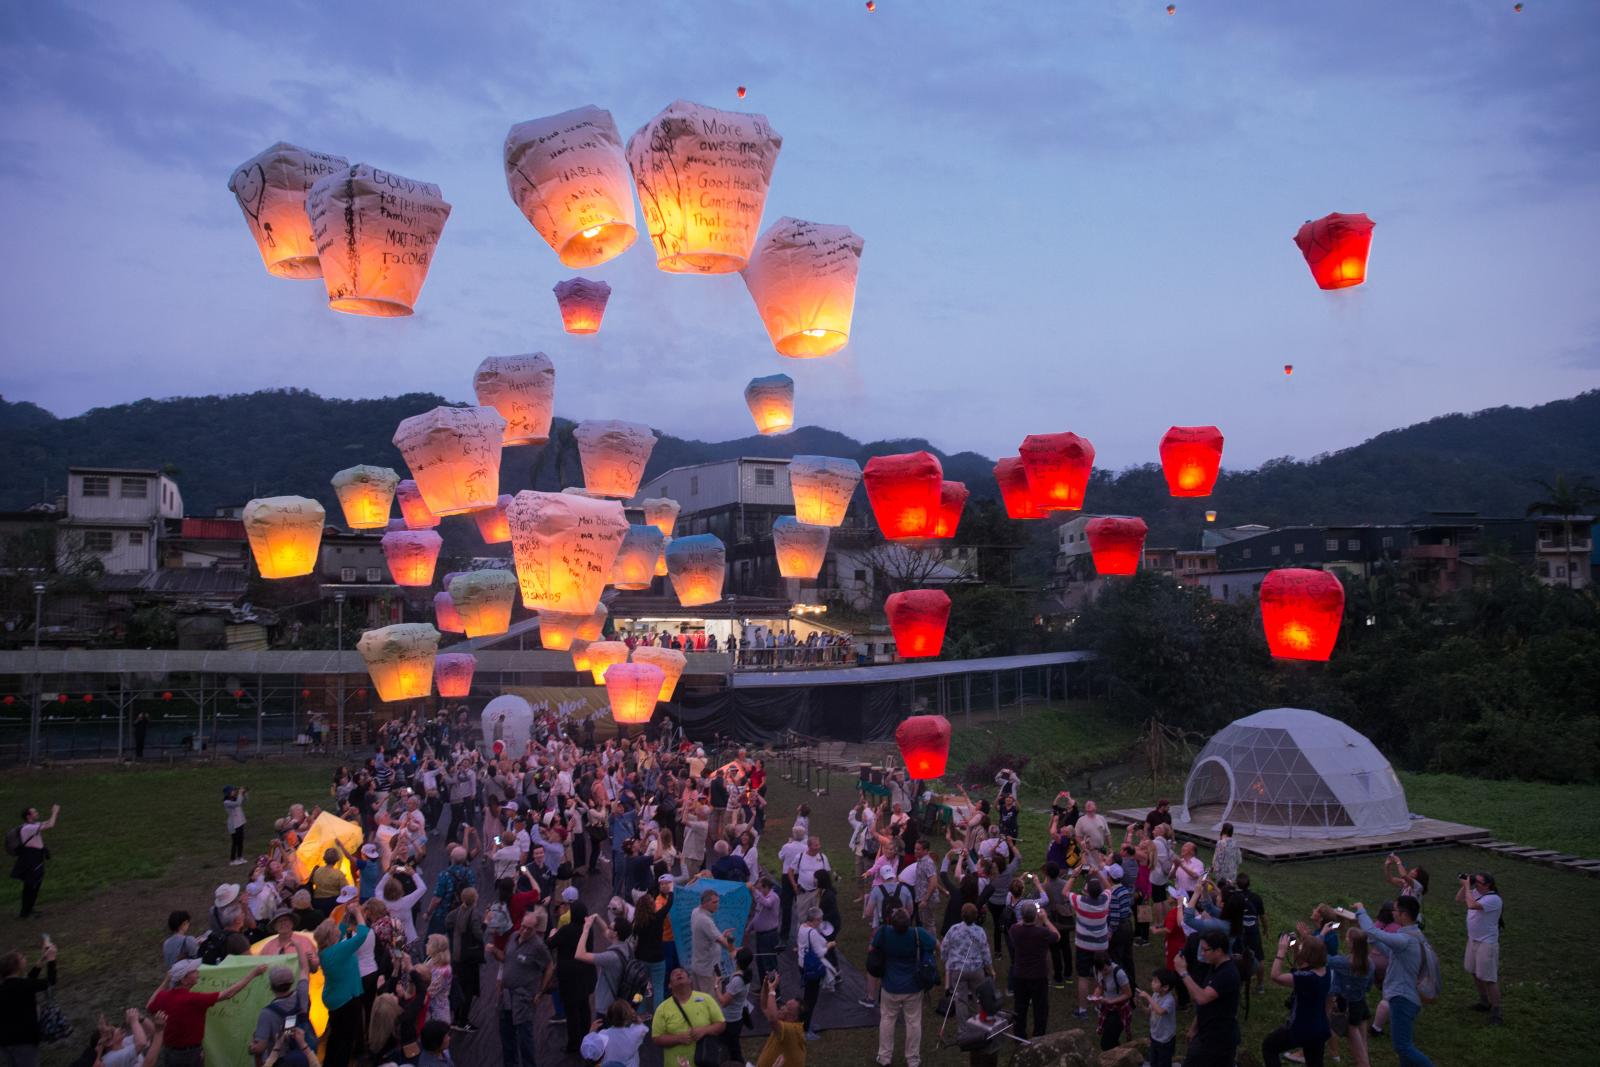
(661, 560)
(568, 176)
(670, 660)
(271, 189)
(614, 455)
(636, 561)
(802, 278)
(800, 547)
(822, 487)
(366, 495)
(582, 303)
(285, 533)
(452, 673)
(558, 629)
(413, 509)
(493, 526)
(702, 176)
(580, 656)
(454, 455)
(592, 625)
(697, 565)
(633, 689)
(411, 555)
(771, 401)
(375, 234)
(564, 547)
(603, 654)
(400, 659)
(483, 599)
(523, 390)
(661, 513)
(446, 619)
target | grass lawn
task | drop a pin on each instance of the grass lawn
(1057, 741)
(1536, 814)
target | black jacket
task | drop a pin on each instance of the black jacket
(19, 1006)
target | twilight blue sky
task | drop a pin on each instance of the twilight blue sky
(1077, 214)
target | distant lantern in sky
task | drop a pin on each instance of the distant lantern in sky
(702, 176)
(446, 619)
(802, 277)
(1116, 542)
(603, 654)
(613, 455)
(1288, 368)
(924, 742)
(413, 509)
(635, 566)
(1335, 247)
(1058, 466)
(400, 659)
(376, 233)
(1211, 516)
(411, 555)
(670, 660)
(1013, 482)
(483, 599)
(1301, 610)
(285, 534)
(662, 513)
(493, 526)
(271, 188)
(452, 673)
(633, 689)
(454, 454)
(917, 618)
(564, 547)
(1190, 457)
(582, 303)
(741, 92)
(822, 487)
(366, 495)
(523, 390)
(1172, 9)
(872, 5)
(771, 401)
(697, 566)
(904, 492)
(568, 176)
(952, 498)
(800, 547)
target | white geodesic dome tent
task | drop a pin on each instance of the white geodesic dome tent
(1288, 772)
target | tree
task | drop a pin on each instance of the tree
(1565, 501)
(896, 566)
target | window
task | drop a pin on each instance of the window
(134, 489)
(1275, 549)
(765, 476)
(861, 575)
(1353, 544)
(135, 538)
(347, 574)
(96, 485)
(1388, 542)
(374, 574)
(1544, 568)
(98, 541)
(1331, 544)
(694, 485)
(1561, 570)
(1299, 548)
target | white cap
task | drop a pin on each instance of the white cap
(348, 893)
(182, 969)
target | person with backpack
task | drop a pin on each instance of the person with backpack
(289, 1001)
(1411, 978)
(888, 895)
(26, 844)
(617, 974)
(1113, 997)
(909, 970)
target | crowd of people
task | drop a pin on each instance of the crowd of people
(755, 646)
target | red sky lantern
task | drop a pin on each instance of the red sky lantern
(1057, 466)
(741, 92)
(918, 618)
(582, 303)
(88, 698)
(61, 698)
(168, 695)
(924, 742)
(238, 694)
(872, 5)
(904, 491)
(1117, 543)
(446, 619)
(1288, 369)
(1335, 247)
(304, 694)
(10, 700)
(1013, 482)
(952, 498)
(1301, 610)
(1190, 456)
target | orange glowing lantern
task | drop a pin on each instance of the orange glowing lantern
(1301, 610)
(1211, 516)
(661, 513)
(918, 618)
(582, 303)
(446, 619)
(411, 555)
(592, 625)
(822, 487)
(697, 566)
(605, 654)
(523, 390)
(670, 660)
(1117, 543)
(366, 494)
(568, 176)
(271, 189)
(702, 176)
(285, 534)
(771, 402)
(633, 689)
(1057, 466)
(635, 566)
(1190, 456)
(580, 656)
(375, 233)
(613, 455)
(483, 599)
(557, 629)
(1013, 481)
(413, 508)
(1288, 368)
(872, 5)
(400, 659)
(904, 492)
(924, 742)
(493, 526)
(952, 498)
(800, 547)
(1336, 247)
(454, 454)
(802, 278)
(564, 547)
(452, 673)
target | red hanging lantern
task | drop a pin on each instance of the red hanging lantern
(1190, 456)
(1057, 466)
(1301, 610)
(1116, 542)
(61, 698)
(904, 491)
(304, 694)
(360, 693)
(238, 694)
(918, 618)
(1014, 489)
(924, 742)
(10, 700)
(88, 698)
(1335, 247)
(167, 695)
(952, 498)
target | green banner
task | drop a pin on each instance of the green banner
(231, 1023)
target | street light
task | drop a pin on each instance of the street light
(38, 680)
(338, 600)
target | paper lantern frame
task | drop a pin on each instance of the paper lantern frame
(800, 547)
(1058, 466)
(697, 566)
(493, 526)
(614, 455)
(670, 660)
(1336, 248)
(452, 673)
(1116, 543)
(1191, 457)
(1014, 492)
(414, 510)
(400, 659)
(564, 547)
(582, 303)
(366, 495)
(662, 513)
(568, 176)
(483, 599)
(633, 690)
(271, 188)
(924, 742)
(522, 389)
(411, 556)
(635, 565)
(604, 655)
(952, 500)
(771, 403)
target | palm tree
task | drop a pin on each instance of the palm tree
(1565, 500)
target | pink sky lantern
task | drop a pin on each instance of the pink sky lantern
(452, 673)
(376, 233)
(670, 660)
(582, 303)
(802, 277)
(633, 689)
(454, 455)
(413, 509)
(523, 390)
(271, 188)
(568, 176)
(411, 555)
(446, 619)
(493, 526)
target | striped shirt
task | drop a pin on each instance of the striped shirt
(1121, 905)
(1090, 931)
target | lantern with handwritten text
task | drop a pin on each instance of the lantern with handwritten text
(635, 566)
(822, 487)
(523, 390)
(800, 547)
(670, 660)
(411, 555)
(557, 629)
(1116, 542)
(697, 565)
(602, 654)
(452, 673)
(952, 498)
(661, 513)
(771, 403)
(483, 599)
(400, 659)
(1190, 457)
(924, 742)
(802, 277)
(454, 454)
(285, 533)
(1013, 481)
(633, 689)
(446, 619)
(1336, 247)
(375, 234)
(414, 509)
(366, 495)
(582, 303)
(1301, 610)
(564, 547)
(568, 176)
(1057, 466)
(271, 189)
(917, 618)
(493, 526)
(614, 455)
(904, 492)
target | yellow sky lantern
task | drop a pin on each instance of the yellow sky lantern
(411, 555)
(366, 495)
(271, 189)
(375, 234)
(592, 625)
(493, 526)
(452, 673)
(633, 689)
(822, 488)
(413, 509)
(661, 560)
(662, 513)
(558, 629)
(483, 600)
(771, 402)
(454, 455)
(697, 566)
(523, 390)
(567, 175)
(285, 533)
(582, 303)
(580, 655)
(670, 660)
(564, 547)
(614, 455)
(800, 547)
(635, 566)
(802, 277)
(603, 654)
(400, 659)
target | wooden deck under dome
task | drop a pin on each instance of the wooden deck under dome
(1422, 833)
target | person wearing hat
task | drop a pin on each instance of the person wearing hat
(186, 1010)
(221, 901)
(1031, 938)
(287, 941)
(368, 870)
(348, 895)
(290, 999)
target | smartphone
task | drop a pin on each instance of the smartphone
(290, 1021)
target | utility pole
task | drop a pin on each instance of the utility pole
(38, 679)
(338, 600)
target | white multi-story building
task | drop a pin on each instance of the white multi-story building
(116, 515)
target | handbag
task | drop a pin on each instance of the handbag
(53, 1024)
(1339, 1017)
(707, 1050)
(926, 974)
(811, 966)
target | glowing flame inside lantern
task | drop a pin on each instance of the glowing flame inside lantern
(604, 654)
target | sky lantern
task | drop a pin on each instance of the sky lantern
(802, 277)
(605, 654)
(822, 488)
(582, 303)
(1116, 542)
(452, 673)
(271, 188)
(702, 176)
(567, 175)
(285, 533)
(771, 401)
(872, 5)
(661, 560)
(662, 513)
(564, 547)
(446, 619)
(904, 492)
(800, 547)
(1057, 466)
(1288, 368)
(400, 659)
(697, 565)
(1190, 457)
(580, 656)
(670, 660)
(924, 742)
(557, 629)
(1013, 482)
(1211, 516)
(483, 599)
(633, 689)
(1301, 610)
(366, 495)
(411, 555)
(635, 566)
(918, 618)
(493, 526)
(952, 498)
(1335, 247)
(592, 625)
(375, 234)
(414, 509)
(454, 454)
(523, 390)
(614, 455)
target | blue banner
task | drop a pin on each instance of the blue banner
(733, 912)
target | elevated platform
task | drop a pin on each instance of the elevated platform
(1422, 833)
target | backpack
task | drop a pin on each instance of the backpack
(214, 948)
(887, 903)
(1430, 979)
(634, 986)
(14, 841)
